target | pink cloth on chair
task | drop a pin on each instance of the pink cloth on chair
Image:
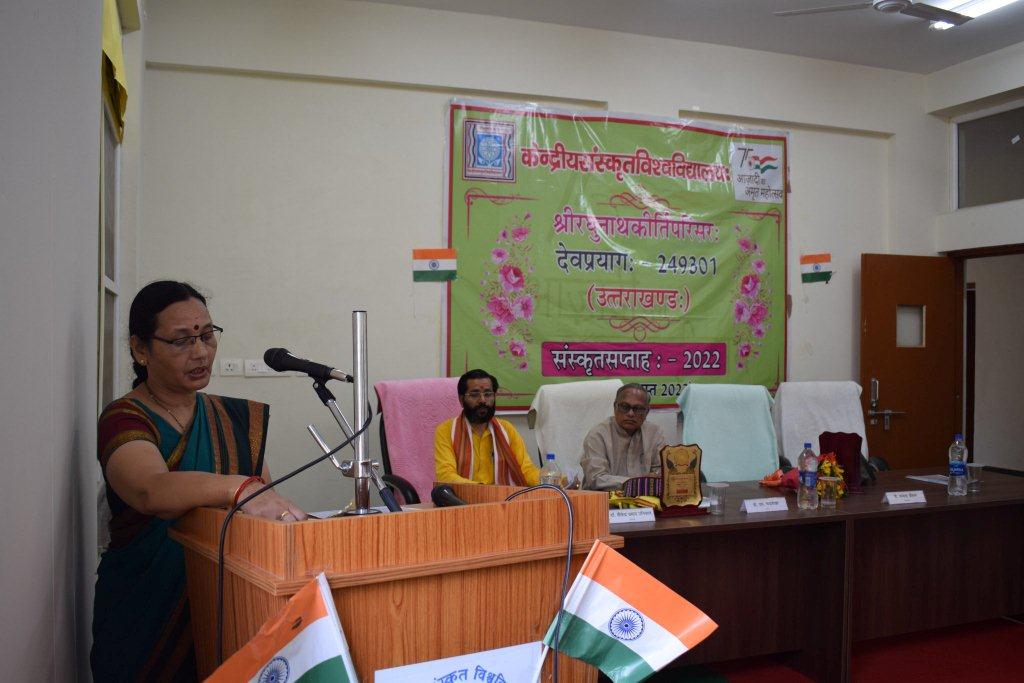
(412, 409)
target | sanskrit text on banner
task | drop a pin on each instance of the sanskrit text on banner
(594, 245)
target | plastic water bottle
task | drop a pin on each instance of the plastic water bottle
(550, 474)
(957, 485)
(807, 496)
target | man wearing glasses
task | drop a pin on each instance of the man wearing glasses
(476, 447)
(624, 445)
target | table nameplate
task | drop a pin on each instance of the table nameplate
(903, 497)
(773, 504)
(631, 515)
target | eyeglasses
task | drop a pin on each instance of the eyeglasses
(626, 408)
(210, 337)
(477, 395)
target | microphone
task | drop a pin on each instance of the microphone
(283, 361)
(443, 496)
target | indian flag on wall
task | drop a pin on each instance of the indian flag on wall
(433, 265)
(816, 268)
(625, 622)
(303, 644)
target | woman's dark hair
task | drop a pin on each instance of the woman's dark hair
(147, 305)
(475, 374)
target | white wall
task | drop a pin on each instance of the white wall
(293, 159)
(998, 373)
(49, 245)
(980, 226)
(981, 78)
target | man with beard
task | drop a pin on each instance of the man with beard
(624, 445)
(476, 447)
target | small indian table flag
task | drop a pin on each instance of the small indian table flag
(625, 622)
(303, 644)
(816, 268)
(433, 265)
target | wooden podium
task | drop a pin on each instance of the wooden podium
(409, 587)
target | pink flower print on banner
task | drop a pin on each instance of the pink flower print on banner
(523, 307)
(511, 278)
(740, 311)
(749, 286)
(500, 309)
(508, 294)
(751, 296)
(758, 312)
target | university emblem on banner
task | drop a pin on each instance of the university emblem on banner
(488, 150)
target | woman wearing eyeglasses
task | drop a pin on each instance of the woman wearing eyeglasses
(165, 448)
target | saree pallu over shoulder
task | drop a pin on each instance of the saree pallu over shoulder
(141, 620)
(238, 433)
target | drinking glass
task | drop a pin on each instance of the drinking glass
(974, 477)
(829, 491)
(716, 497)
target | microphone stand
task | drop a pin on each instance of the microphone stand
(346, 468)
(361, 468)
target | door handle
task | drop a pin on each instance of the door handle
(885, 415)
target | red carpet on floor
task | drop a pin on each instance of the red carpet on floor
(986, 651)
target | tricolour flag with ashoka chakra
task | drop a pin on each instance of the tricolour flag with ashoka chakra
(625, 622)
(303, 644)
(816, 267)
(433, 265)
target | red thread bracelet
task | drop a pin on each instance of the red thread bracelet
(241, 487)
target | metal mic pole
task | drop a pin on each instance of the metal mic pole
(346, 468)
(362, 464)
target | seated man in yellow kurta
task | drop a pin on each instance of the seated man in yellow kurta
(469, 447)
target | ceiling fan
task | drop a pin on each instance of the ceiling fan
(914, 9)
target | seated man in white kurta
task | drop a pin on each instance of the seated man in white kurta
(623, 446)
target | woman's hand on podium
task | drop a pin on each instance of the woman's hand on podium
(271, 505)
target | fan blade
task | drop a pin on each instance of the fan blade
(818, 10)
(923, 11)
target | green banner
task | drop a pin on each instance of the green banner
(594, 245)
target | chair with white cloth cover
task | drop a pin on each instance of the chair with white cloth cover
(410, 411)
(562, 414)
(732, 424)
(803, 410)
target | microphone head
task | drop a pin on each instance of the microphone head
(273, 358)
(442, 496)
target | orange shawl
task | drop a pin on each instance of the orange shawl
(506, 466)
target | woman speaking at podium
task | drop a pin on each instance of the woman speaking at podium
(165, 448)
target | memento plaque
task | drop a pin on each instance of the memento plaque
(680, 469)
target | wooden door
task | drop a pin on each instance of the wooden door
(918, 376)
